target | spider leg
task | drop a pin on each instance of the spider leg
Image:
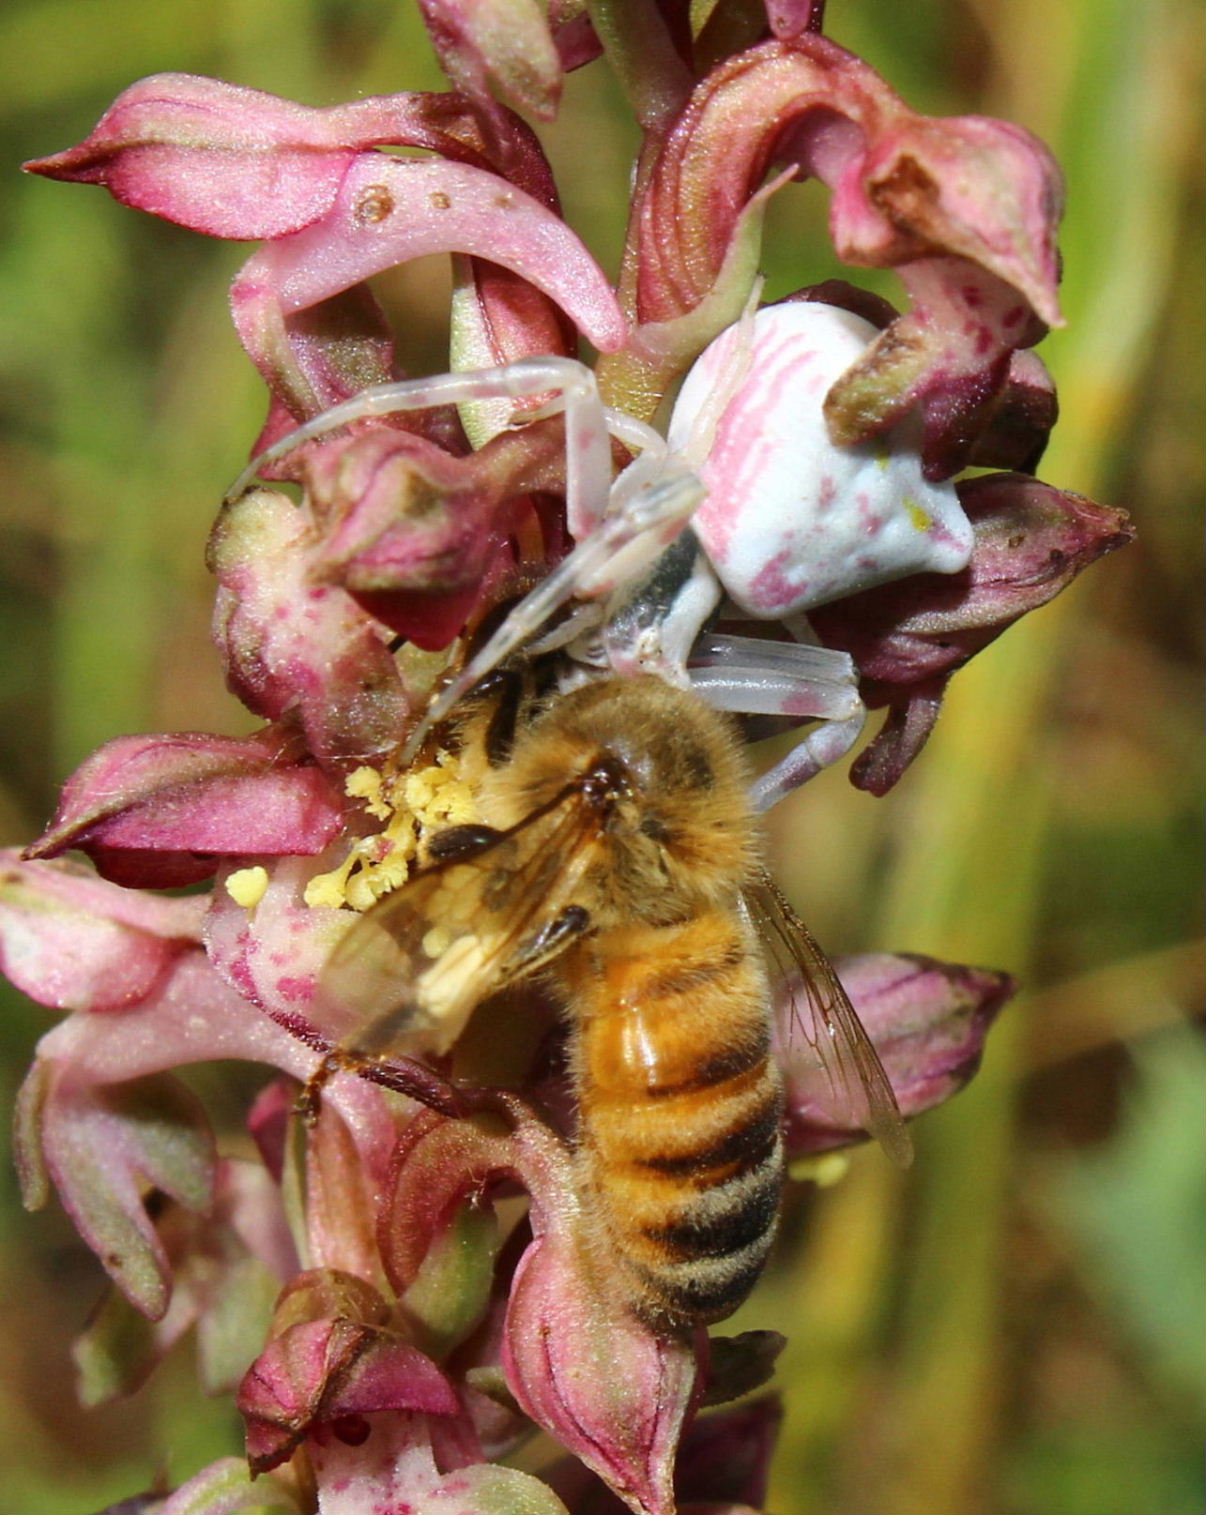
(587, 422)
(824, 744)
(620, 550)
(801, 681)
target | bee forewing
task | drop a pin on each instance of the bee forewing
(410, 971)
(852, 1087)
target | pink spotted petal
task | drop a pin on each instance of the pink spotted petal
(391, 210)
(394, 1468)
(928, 1021)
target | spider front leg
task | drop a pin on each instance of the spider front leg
(619, 551)
(588, 424)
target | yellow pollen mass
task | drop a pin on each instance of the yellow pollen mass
(247, 886)
(825, 1169)
(413, 805)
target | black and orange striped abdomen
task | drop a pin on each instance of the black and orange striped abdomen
(681, 1110)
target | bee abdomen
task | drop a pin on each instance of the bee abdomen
(681, 1118)
(700, 1239)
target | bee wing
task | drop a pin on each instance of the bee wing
(415, 965)
(858, 1091)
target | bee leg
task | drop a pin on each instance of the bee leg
(309, 1102)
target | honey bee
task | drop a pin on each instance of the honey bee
(619, 856)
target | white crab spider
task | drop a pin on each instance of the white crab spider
(779, 518)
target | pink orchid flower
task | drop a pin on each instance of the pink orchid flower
(394, 1321)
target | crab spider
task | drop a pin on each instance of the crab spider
(745, 496)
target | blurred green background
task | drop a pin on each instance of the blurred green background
(1014, 1327)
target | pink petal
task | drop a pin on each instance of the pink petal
(190, 793)
(911, 716)
(928, 1021)
(191, 1016)
(389, 211)
(904, 185)
(227, 161)
(950, 356)
(105, 1149)
(506, 43)
(315, 1371)
(965, 208)
(437, 1165)
(583, 1367)
(74, 942)
(295, 645)
(239, 163)
(220, 1287)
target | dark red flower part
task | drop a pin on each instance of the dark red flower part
(908, 637)
(421, 538)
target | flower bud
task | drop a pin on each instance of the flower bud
(927, 1020)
